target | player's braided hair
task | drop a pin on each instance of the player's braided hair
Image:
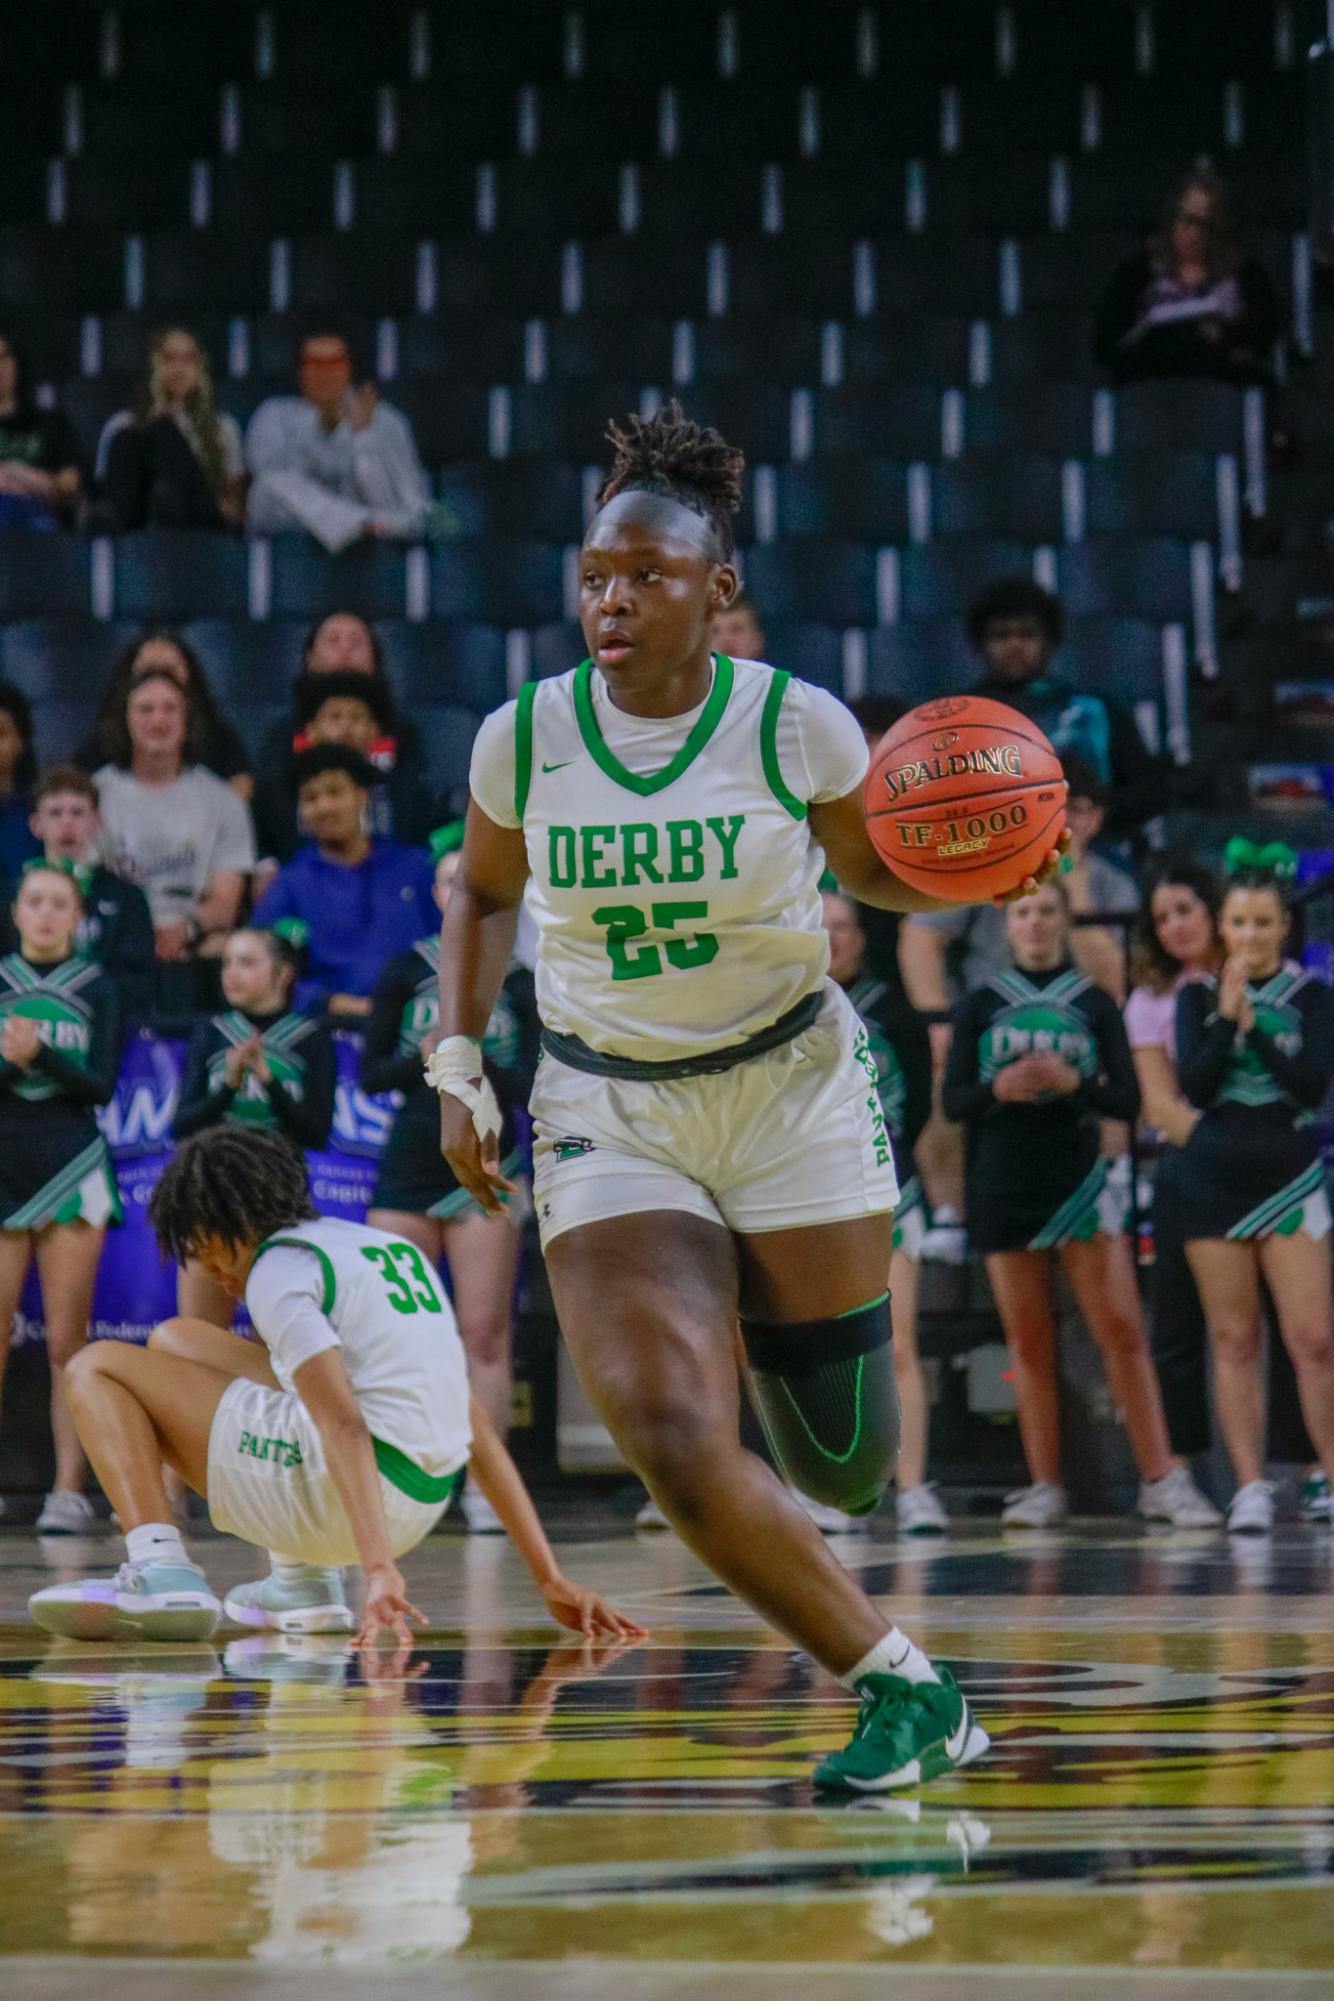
(228, 1183)
(688, 462)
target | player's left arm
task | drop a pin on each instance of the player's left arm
(323, 1387)
(572, 1605)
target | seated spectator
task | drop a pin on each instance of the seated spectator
(334, 460)
(39, 453)
(175, 459)
(361, 897)
(173, 827)
(158, 651)
(352, 708)
(1016, 627)
(117, 929)
(1191, 302)
(737, 631)
(18, 768)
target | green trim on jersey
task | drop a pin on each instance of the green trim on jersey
(304, 1244)
(523, 747)
(773, 703)
(412, 1479)
(606, 759)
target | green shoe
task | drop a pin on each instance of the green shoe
(907, 1732)
(312, 1604)
(1316, 1504)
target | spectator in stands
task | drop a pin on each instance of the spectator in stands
(175, 459)
(117, 929)
(1095, 887)
(172, 826)
(737, 632)
(1191, 302)
(159, 651)
(18, 769)
(351, 707)
(334, 460)
(361, 897)
(40, 479)
(1016, 627)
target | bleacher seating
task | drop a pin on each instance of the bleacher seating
(864, 239)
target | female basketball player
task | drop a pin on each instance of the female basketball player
(258, 1065)
(338, 1437)
(1256, 1054)
(1037, 1057)
(709, 1143)
(415, 1195)
(59, 1054)
(900, 1048)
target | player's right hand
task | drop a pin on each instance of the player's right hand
(474, 1162)
(387, 1608)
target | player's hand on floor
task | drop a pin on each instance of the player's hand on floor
(585, 1611)
(388, 1608)
(1051, 867)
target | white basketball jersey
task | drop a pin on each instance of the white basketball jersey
(678, 912)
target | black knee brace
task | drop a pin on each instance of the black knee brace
(824, 1391)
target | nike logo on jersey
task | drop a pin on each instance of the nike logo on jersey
(558, 767)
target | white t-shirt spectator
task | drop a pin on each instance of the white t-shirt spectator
(173, 839)
(976, 931)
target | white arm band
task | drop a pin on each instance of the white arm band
(454, 1068)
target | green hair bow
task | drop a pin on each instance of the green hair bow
(1273, 858)
(446, 840)
(294, 929)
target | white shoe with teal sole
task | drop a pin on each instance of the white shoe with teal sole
(143, 1601)
(313, 1604)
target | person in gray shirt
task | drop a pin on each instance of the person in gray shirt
(334, 460)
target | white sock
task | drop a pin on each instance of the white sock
(289, 1571)
(156, 1542)
(895, 1654)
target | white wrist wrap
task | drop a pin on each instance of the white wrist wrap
(455, 1068)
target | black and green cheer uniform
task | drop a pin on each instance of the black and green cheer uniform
(54, 1163)
(1252, 1165)
(901, 1050)
(298, 1100)
(405, 1007)
(1035, 1179)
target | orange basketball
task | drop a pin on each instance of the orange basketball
(964, 798)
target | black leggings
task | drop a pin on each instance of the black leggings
(1179, 1339)
(153, 475)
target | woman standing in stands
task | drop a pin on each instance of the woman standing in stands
(900, 1048)
(175, 459)
(160, 651)
(416, 1195)
(59, 1055)
(1256, 1056)
(259, 1065)
(1038, 1056)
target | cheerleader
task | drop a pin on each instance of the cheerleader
(1038, 1056)
(1255, 1051)
(900, 1048)
(416, 1195)
(258, 1065)
(59, 1056)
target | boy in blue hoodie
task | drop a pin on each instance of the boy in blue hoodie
(361, 897)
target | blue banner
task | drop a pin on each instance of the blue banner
(135, 1289)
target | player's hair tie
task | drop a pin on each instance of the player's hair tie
(1244, 857)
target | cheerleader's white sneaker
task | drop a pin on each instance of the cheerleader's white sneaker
(917, 1511)
(1252, 1510)
(1176, 1499)
(66, 1513)
(1041, 1506)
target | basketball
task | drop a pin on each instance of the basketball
(964, 798)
